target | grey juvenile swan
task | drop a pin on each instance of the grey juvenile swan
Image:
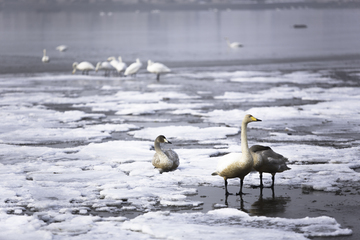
(266, 160)
(237, 165)
(167, 160)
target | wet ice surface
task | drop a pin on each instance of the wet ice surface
(76, 153)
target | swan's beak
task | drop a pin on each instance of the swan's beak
(167, 141)
(255, 119)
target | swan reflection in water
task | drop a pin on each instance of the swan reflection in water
(263, 206)
(269, 205)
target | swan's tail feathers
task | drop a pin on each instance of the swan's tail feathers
(283, 167)
(214, 174)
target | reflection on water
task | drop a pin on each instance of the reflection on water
(255, 201)
(269, 205)
(262, 206)
(182, 36)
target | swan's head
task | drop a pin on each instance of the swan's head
(150, 62)
(138, 60)
(120, 59)
(250, 118)
(162, 139)
(111, 58)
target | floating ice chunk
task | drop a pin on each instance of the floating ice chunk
(322, 177)
(230, 117)
(145, 97)
(180, 203)
(112, 127)
(151, 108)
(77, 225)
(118, 151)
(186, 132)
(52, 135)
(230, 223)
(72, 116)
(22, 228)
(301, 138)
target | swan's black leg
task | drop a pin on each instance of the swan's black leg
(241, 185)
(226, 190)
(273, 180)
(261, 182)
(158, 77)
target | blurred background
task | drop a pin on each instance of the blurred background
(180, 33)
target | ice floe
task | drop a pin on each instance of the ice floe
(67, 156)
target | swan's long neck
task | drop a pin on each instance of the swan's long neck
(74, 67)
(44, 51)
(159, 151)
(158, 148)
(244, 142)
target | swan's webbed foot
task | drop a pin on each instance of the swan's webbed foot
(241, 194)
(228, 193)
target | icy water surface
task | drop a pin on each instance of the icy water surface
(76, 154)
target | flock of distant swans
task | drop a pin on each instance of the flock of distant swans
(113, 64)
(121, 68)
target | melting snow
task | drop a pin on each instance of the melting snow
(94, 172)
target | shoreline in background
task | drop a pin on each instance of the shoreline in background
(128, 7)
(32, 65)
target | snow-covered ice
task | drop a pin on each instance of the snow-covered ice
(67, 156)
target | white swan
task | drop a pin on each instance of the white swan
(62, 48)
(237, 165)
(133, 68)
(266, 160)
(85, 67)
(45, 58)
(233, 45)
(119, 65)
(167, 160)
(105, 66)
(157, 68)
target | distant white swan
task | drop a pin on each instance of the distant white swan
(133, 68)
(85, 67)
(233, 45)
(266, 160)
(105, 66)
(157, 68)
(167, 160)
(237, 165)
(45, 58)
(119, 65)
(62, 48)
